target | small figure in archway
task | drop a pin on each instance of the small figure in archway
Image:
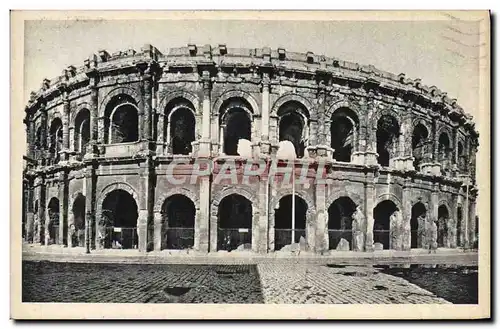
(433, 233)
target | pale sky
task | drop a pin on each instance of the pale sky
(443, 53)
(430, 50)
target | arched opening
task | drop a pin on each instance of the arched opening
(121, 120)
(235, 223)
(118, 222)
(182, 131)
(283, 221)
(82, 131)
(420, 142)
(78, 231)
(236, 124)
(444, 152)
(460, 233)
(442, 226)
(387, 139)
(340, 222)
(293, 125)
(418, 225)
(382, 223)
(56, 139)
(53, 225)
(343, 130)
(178, 213)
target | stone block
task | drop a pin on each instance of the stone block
(377, 246)
(302, 244)
(244, 247)
(343, 245)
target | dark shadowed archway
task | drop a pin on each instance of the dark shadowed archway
(121, 120)
(235, 222)
(53, 225)
(420, 145)
(343, 130)
(382, 222)
(387, 139)
(178, 213)
(418, 225)
(442, 226)
(283, 221)
(118, 222)
(340, 221)
(78, 209)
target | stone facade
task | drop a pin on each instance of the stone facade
(393, 154)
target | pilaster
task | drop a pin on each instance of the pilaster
(203, 241)
(369, 206)
(205, 147)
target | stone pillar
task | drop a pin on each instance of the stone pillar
(63, 209)
(433, 214)
(40, 196)
(202, 226)
(472, 223)
(160, 135)
(91, 218)
(371, 155)
(369, 206)
(205, 148)
(262, 226)
(65, 122)
(44, 134)
(158, 224)
(96, 132)
(265, 144)
(406, 216)
(321, 244)
(30, 136)
(46, 231)
(29, 212)
(146, 203)
(147, 88)
(71, 233)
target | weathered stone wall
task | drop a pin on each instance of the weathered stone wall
(210, 80)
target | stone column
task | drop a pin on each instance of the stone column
(40, 192)
(91, 218)
(369, 206)
(29, 212)
(44, 134)
(30, 135)
(205, 148)
(202, 226)
(265, 147)
(433, 213)
(406, 216)
(96, 132)
(158, 223)
(160, 136)
(321, 244)
(147, 88)
(146, 196)
(472, 223)
(262, 226)
(63, 209)
(65, 122)
(371, 154)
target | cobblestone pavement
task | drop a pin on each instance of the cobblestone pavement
(261, 283)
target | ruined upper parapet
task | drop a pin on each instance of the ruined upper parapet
(220, 55)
